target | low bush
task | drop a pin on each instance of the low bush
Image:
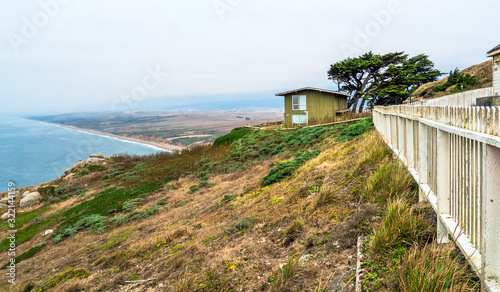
(234, 135)
(240, 225)
(284, 169)
(355, 130)
(95, 168)
(95, 222)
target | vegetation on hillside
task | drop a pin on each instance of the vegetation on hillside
(264, 210)
(475, 77)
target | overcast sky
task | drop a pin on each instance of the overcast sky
(79, 55)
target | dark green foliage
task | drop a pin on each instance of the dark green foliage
(95, 222)
(240, 225)
(226, 199)
(162, 202)
(26, 217)
(397, 83)
(284, 169)
(95, 168)
(459, 81)
(304, 137)
(234, 135)
(381, 79)
(194, 188)
(26, 255)
(129, 205)
(357, 129)
(61, 193)
(47, 191)
(111, 199)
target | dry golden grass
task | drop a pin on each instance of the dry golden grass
(184, 245)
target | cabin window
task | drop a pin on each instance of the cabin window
(298, 102)
(299, 119)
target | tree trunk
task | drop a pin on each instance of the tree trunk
(361, 106)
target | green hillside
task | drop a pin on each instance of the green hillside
(260, 210)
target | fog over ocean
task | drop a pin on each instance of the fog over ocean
(32, 152)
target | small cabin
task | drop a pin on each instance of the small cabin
(495, 53)
(308, 106)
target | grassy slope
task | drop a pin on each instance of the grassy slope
(203, 220)
(482, 71)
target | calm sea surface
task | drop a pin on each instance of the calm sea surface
(32, 152)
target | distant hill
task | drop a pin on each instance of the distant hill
(227, 105)
(482, 71)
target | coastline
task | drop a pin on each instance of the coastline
(162, 146)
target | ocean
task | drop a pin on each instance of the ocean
(32, 152)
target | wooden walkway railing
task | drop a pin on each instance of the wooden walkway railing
(454, 155)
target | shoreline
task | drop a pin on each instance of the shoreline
(161, 146)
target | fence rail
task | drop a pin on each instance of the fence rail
(466, 98)
(454, 155)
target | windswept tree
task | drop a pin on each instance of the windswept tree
(379, 79)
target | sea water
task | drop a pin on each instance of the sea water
(32, 152)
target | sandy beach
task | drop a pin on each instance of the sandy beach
(164, 146)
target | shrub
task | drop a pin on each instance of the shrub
(458, 81)
(129, 205)
(95, 221)
(355, 130)
(96, 168)
(284, 169)
(234, 135)
(227, 199)
(193, 188)
(240, 225)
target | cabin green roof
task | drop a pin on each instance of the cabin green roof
(313, 89)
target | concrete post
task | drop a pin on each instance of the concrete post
(409, 152)
(443, 182)
(422, 158)
(491, 215)
(401, 138)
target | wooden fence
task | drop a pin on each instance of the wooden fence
(466, 98)
(454, 155)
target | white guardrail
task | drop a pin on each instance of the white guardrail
(454, 155)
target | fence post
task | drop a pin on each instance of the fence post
(409, 143)
(443, 182)
(422, 158)
(491, 216)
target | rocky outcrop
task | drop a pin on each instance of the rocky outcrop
(78, 164)
(30, 198)
(4, 201)
(93, 160)
(4, 216)
(2, 206)
(96, 156)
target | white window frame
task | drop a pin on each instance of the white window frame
(299, 102)
(299, 119)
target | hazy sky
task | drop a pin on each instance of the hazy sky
(79, 55)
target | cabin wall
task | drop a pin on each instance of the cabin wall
(319, 106)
